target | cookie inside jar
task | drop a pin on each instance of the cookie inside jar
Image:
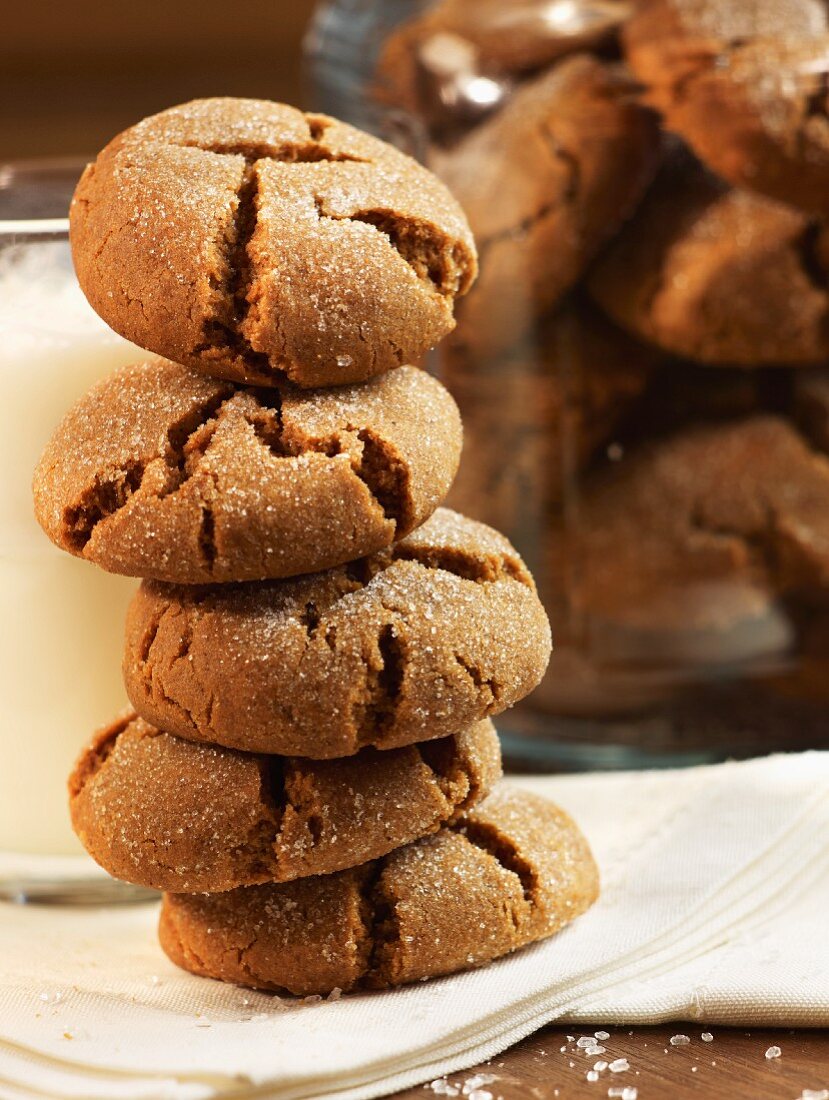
(642, 364)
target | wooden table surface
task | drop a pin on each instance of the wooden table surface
(733, 1066)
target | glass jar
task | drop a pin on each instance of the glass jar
(642, 363)
(60, 653)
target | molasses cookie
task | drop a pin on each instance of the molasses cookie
(175, 815)
(521, 37)
(544, 183)
(719, 275)
(745, 86)
(257, 243)
(662, 32)
(435, 66)
(417, 642)
(514, 870)
(685, 546)
(160, 472)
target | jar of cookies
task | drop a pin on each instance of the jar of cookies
(643, 363)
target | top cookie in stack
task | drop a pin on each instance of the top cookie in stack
(305, 599)
(253, 242)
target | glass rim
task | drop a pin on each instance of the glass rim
(27, 172)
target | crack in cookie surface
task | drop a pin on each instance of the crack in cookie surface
(126, 494)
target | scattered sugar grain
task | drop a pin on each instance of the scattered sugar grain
(773, 1052)
(602, 1035)
(707, 1037)
(441, 1087)
(679, 1040)
(477, 1082)
(619, 1065)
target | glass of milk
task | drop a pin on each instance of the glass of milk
(61, 619)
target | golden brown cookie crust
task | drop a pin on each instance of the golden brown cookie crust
(429, 65)
(514, 870)
(170, 814)
(419, 641)
(160, 472)
(544, 183)
(744, 84)
(718, 275)
(686, 546)
(257, 243)
(663, 30)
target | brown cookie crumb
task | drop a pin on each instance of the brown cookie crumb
(514, 870)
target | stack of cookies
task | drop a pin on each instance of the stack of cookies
(316, 648)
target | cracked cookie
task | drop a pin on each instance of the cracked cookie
(160, 472)
(666, 33)
(433, 65)
(423, 639)
(746, 86)
(544, 183)
(512, 871)
(685, 547)
(719, 275)
(254, 242)
(170, 814)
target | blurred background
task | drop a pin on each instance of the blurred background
(73, 75)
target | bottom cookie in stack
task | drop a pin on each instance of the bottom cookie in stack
(514, 870)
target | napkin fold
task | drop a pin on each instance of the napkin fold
(714, 910)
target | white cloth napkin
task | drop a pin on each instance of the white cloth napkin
(715, 908)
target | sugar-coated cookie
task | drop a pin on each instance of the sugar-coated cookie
(254, 242)
(160, 472)
(719, 275)
(435, 65)
(745, 86)
(170, 814)
(514, 870)
(544, 183)
(686, 545)
(416, 642)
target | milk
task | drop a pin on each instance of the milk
(61, 619)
